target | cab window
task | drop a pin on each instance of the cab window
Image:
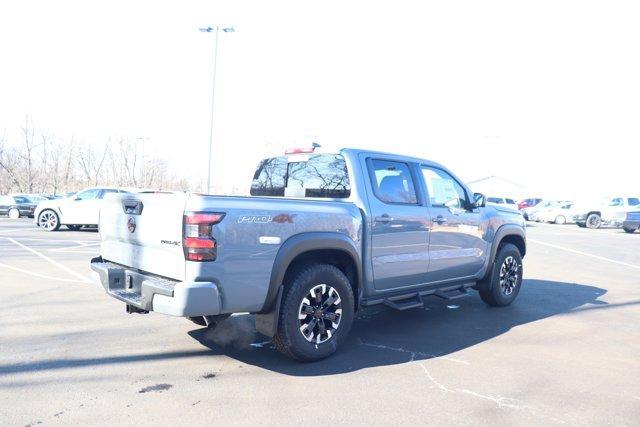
(392, 182)
(444, 191)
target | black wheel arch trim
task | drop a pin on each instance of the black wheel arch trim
(266, 318)
(504, 231)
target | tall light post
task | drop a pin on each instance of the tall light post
(215, 29)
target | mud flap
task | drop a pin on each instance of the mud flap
(267, 323)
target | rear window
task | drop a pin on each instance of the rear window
(316, 175)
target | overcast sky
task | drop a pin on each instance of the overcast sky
(546, 94)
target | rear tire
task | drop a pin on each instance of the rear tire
(316, 313)
(14, 213)
(629, 230)
(560, 219)
(594, 221)
(48, 220)
(501, 287)
(74, 227)
(581, 224)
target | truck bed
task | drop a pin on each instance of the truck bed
(248, 237)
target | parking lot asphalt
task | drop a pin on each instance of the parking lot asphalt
(566, 352)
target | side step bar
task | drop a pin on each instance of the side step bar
(452, 294)
(414, 299)
(405, 303)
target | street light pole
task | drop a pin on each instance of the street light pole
(213, 29)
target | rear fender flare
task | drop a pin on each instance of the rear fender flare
(267, 317)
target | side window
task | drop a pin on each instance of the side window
(105, 191)
(616, 202)
(511, 202)
(492, 200)
(633, 201)
(444, 191)
(88, 194)
(392, 182)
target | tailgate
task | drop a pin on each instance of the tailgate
(144, 231)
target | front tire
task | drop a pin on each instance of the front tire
(14, 213)
(48, 220)
(560, 219)
(316, 313)
(629, 230)
(594, 221)
(503, 284)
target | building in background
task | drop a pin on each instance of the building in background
(494, 186)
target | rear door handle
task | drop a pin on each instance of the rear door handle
(385, 218)
(439, 219)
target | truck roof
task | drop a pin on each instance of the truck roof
(356, 151)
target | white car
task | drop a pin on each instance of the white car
(503, 201)
(610, 211)
(559, 214)
(532, 213)
(80, 209)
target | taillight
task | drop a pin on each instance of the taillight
(197, 237)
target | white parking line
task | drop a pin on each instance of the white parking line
(32, 273)
(584, 253)
(17, 229)
(46, 258)
(82, 246)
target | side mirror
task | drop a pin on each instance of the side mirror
(479, 200)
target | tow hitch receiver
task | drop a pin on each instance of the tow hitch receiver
(134, 309)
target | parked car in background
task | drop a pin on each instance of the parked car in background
(504, 201)
(81, 209)
(610, 211)
(531, 214)
(561, 213)
(631, 221)
(528, 203)
(16, 206)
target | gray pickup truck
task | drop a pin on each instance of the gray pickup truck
(322, 235)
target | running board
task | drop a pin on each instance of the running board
(405, 303)
(452, 294)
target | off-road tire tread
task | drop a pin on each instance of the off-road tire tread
(282, 339)
(487, 286)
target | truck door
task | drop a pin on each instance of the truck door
(456, 246)
(398, 223)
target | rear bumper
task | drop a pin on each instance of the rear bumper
(151, 293)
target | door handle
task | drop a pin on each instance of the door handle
(439, 219)
(385, 218)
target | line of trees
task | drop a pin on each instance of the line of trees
(43, 163)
